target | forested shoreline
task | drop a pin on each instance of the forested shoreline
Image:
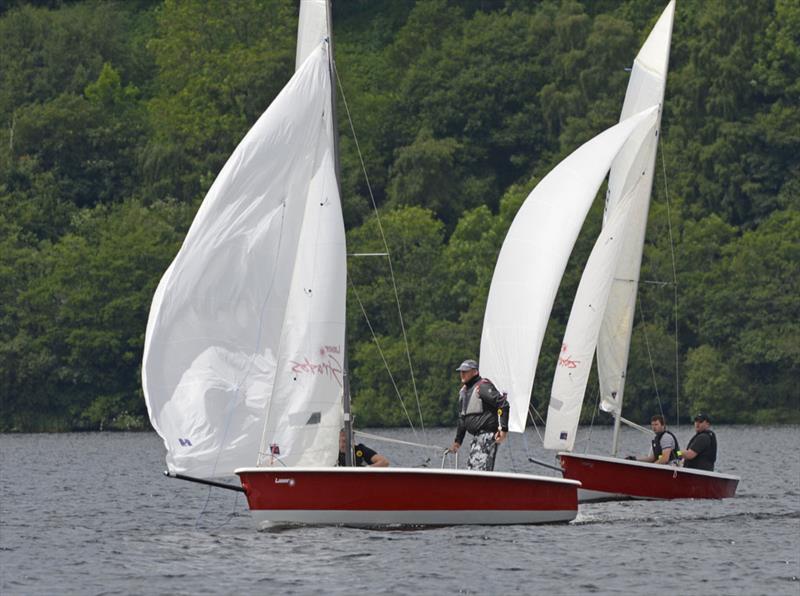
(117, 116)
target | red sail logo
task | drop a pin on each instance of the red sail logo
(565, 360)
(327, 364)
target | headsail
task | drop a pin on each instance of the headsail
(222, 337)
(645, 88)
(532, 261)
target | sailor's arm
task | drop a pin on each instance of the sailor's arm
(379, 461)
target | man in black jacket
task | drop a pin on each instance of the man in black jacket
(362, 455)
(483, 411)
(701, 452)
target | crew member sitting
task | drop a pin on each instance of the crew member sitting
(701, 453)
(664, 446)
(362, 455)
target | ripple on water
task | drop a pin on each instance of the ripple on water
(70, 526)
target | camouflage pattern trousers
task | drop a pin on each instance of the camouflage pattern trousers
(482, 452)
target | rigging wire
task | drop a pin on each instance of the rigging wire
(381, 353)
(649, 354)
(386, 246)
(674, 286)
(531, 411)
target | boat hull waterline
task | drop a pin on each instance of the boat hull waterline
(405, 496)
(609, 478)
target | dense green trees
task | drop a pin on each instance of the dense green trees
(116, 116)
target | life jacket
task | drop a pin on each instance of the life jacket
(656, 444)
(705, 460)
(471, 402)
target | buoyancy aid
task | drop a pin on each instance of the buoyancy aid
(706, 459)
(657, 449)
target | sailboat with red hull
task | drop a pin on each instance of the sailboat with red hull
(405, 496)
(531, 265)
(243, 368)
(606, 478)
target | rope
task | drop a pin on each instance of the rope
(386, 246)
(398, 441)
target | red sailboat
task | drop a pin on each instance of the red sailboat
(602, 313)
(532, 262)
(610, 478)
(405, 496)
(244, 368)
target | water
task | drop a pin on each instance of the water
(91, 514)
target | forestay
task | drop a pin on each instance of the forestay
(246, 330)
(532, 261)
(645, 88)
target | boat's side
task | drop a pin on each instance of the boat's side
(604, 478)
(405, 496)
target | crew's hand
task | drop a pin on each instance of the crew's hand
(500, 436)
(454, 447)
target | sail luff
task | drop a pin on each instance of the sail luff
(645, 87)
(532, 261)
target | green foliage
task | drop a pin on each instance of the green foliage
(220, 64)
(116, 116)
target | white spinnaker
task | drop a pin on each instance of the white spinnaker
(532, 261)
(312, 28)
(580, 337)
(645, 88)
(214, 334)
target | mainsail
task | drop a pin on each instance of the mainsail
(246, 330)
(580, 338)
(532, 261)
(645, 88)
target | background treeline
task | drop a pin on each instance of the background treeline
(115, 118)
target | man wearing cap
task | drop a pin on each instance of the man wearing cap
(483, 411)
(701, 453)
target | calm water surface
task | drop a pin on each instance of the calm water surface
(92, 514)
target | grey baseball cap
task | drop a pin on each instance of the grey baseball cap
(468, 365)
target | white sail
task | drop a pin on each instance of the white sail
(532, 261)
(580, 338)
(312, 28)
(645, 88)
(218, 345)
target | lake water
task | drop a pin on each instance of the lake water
(92, 514)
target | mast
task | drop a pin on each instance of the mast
(645, 88)
(348, 419)
(617, 425)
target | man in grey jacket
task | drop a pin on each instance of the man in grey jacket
(483, 412)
